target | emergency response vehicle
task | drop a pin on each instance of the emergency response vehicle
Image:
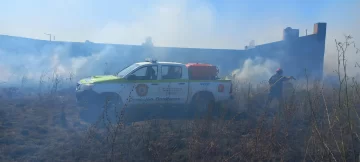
(195, 85)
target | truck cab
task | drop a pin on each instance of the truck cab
(156, 83)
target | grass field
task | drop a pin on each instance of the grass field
(313, 127)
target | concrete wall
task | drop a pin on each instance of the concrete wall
(294, 55)
(297, 54)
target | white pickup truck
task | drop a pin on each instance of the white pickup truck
(152, 82)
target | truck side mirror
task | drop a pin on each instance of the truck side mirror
(131, 77)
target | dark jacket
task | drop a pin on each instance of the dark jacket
(276, 83)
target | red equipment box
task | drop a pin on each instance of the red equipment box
(201, 71)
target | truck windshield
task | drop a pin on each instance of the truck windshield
(127, 70)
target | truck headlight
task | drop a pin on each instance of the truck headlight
(84, 86)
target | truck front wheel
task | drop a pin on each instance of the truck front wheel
(106, 107)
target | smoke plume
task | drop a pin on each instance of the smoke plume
(256, 70)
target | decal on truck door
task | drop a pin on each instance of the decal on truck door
(172, 91)
(142, 89)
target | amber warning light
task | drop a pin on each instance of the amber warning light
(221, 88)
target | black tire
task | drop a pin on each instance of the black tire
(202, 104)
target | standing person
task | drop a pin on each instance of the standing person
(276, 88)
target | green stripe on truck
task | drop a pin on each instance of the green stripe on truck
(114, 79)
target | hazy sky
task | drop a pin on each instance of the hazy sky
(186, 23)
(180, 23)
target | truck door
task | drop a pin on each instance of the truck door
(144, 85)
(175, 88)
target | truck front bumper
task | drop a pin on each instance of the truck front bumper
(86, 97)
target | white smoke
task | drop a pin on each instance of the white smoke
(108, 60)
(58, 60)
(256, 70)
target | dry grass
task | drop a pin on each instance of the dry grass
(50, 130)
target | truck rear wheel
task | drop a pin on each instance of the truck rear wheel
(202, 104)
